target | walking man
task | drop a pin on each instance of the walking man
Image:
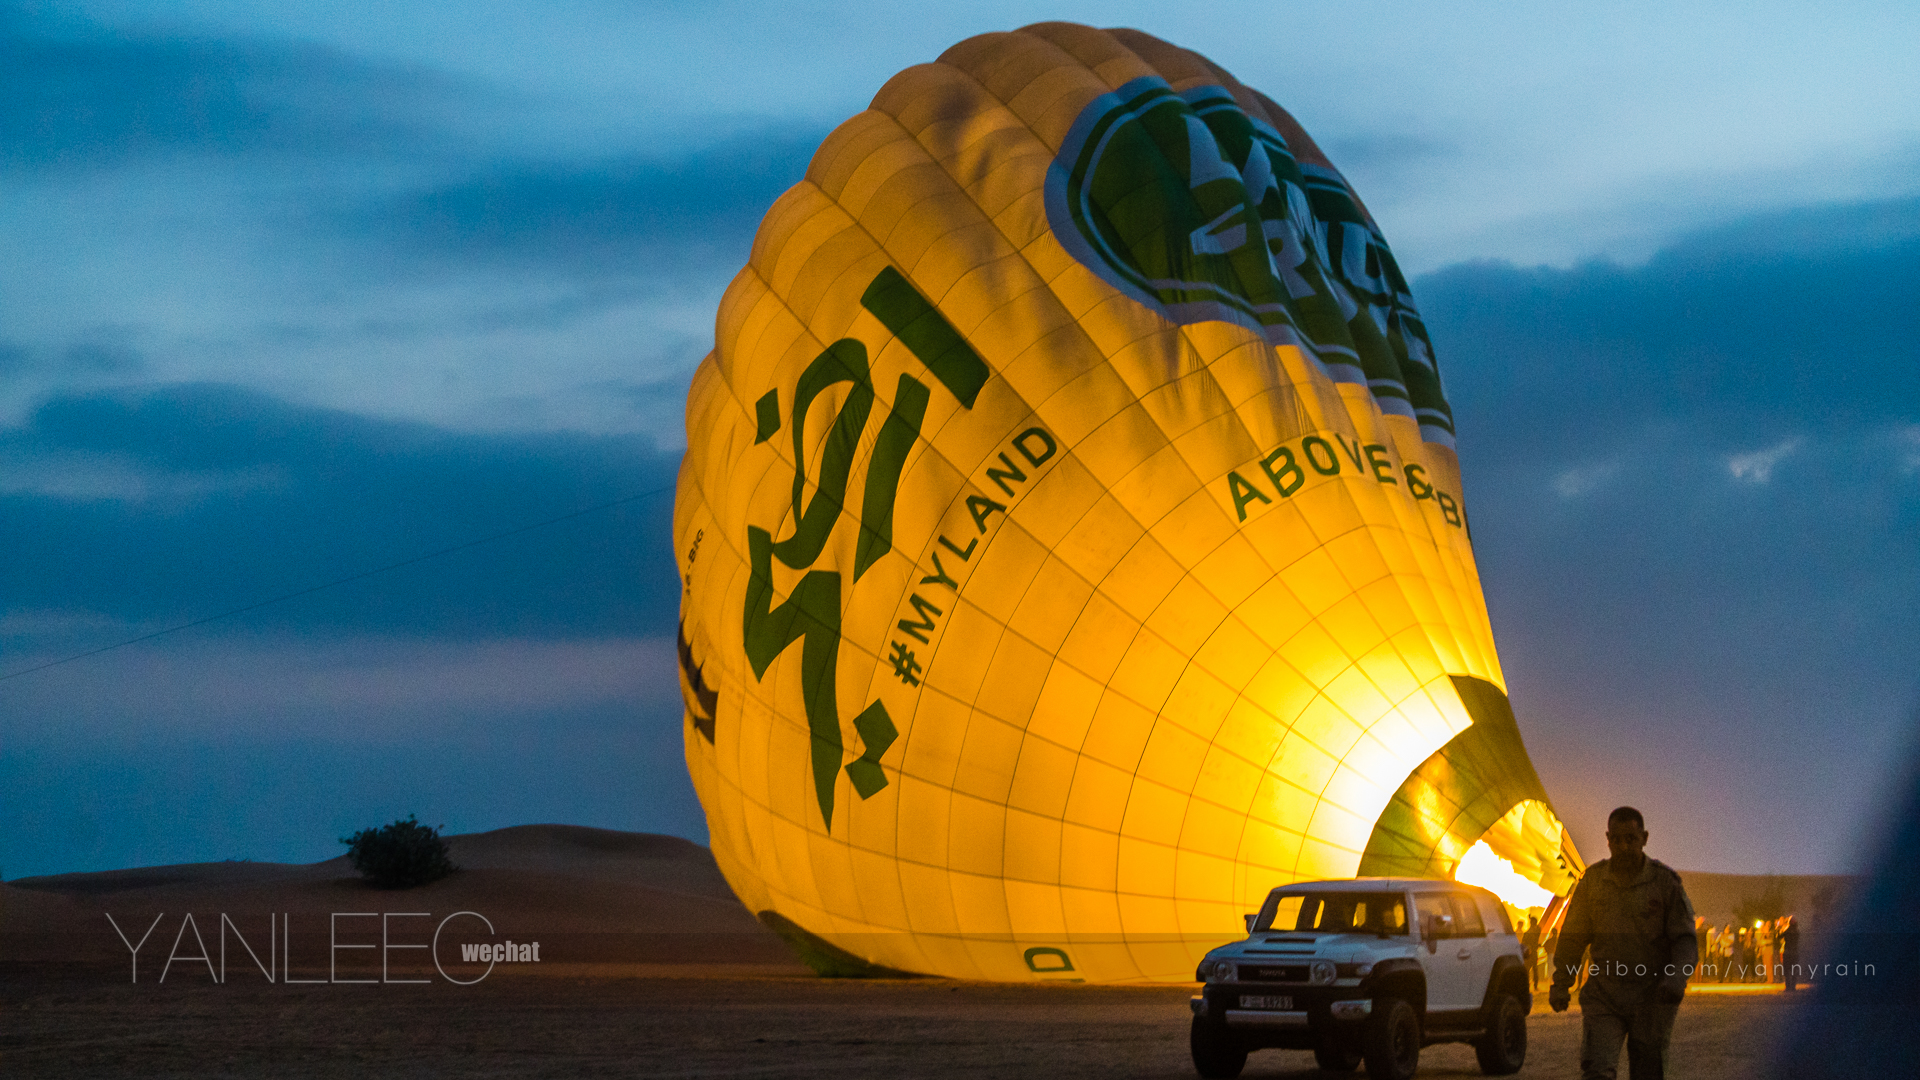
(1634, 915)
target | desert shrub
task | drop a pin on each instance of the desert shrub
(400, 855)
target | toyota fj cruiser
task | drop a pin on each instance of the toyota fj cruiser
(1368, 969)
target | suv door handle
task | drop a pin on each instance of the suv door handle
(1465, 954)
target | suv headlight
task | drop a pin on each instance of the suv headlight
(1322, 972)
(1355, 971)
(1222, 971)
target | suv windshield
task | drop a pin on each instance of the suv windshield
(1334, 913)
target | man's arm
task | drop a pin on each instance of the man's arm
(1683, 951)
(1576, 933)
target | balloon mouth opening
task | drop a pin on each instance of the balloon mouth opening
(1526, 859)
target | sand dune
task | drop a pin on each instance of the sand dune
(660, 862)
(591, 897)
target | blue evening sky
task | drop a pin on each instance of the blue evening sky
(291, 291)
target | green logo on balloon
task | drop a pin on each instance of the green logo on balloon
(811, 612)
(1196, 209)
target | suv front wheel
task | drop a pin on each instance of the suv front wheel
(1393, 1040)
(1503, 1049)
(1217, 1053)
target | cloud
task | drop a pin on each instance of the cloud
(29, 623)
(454, 277)
(1389, 166)
(270, 791)
(1907, 438)
(527, 679)
(1647, 609)
(334, 687)
(92, 358)
(639, 214)
(1803, 232)
(183, 501)
(96, 99)
(1575, 482)
(1757, 467)
(1739, 329)
(101, 358)
(88, 477)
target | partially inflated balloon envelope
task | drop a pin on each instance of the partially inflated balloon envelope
(1073, 540)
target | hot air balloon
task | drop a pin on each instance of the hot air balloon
(1073, 540)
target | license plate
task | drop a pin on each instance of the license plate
(1266, 1001)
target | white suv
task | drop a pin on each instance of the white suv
(1366, 969)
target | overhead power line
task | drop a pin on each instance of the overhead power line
(361, 576)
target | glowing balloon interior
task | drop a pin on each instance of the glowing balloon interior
(1073, 541)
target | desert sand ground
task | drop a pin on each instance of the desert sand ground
(650, 968)
(543, 1026)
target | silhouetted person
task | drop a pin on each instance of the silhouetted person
(1634, 915)
(1702, 950)
(1790, 953)
(1530, 948)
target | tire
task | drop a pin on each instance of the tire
(1336, 1058)
(1393, 1041)
(1217, 1054)
(1503, 1049)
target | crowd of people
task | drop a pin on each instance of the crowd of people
(1765, 952)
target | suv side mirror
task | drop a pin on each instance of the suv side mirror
(1436, 927)
(1250, 918)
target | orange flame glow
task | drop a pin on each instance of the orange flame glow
(1480, 866)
